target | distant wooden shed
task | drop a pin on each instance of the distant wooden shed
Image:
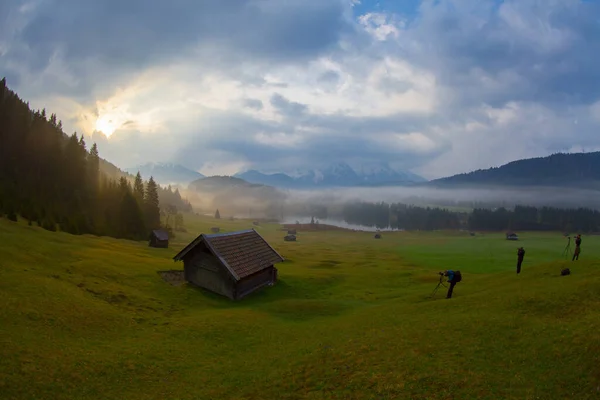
(512, 236)
(231, 264)
(159, 238)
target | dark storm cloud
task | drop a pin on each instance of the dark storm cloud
(105, 44)
(140, 32)
(543, 52)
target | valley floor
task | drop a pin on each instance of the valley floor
(84, 317)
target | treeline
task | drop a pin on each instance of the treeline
(521, 218)
(52, 180)
(167, 196)
(401, 216)
(172, 198)
(525, 218)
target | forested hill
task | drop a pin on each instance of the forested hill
(53, 180)
(563, 170)
(166, 195)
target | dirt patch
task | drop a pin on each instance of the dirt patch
(172, 277)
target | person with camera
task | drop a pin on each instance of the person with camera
(520, 256)
(453, 278)
(577, 248)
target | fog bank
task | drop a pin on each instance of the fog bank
(281, 204)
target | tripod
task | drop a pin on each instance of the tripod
(567, 250)
(441, 283)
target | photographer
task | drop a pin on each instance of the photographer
(520, 256)
(577, 248)
(453, 278)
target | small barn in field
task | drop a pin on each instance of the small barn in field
(159, 238)
(232, 264)
(512, 236)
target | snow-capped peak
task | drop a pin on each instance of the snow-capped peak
(336, 174)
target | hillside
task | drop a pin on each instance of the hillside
(167, 173)
(87, 318)
(564, 170)
(60, 182)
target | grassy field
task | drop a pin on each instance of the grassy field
(84, 317)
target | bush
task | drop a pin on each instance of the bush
(49, 225)
(12, 216)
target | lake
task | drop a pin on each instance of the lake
(338, 223)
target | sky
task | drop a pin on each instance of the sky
(435, 87)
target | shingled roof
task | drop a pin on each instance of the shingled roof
(243, 253)
(160, 234)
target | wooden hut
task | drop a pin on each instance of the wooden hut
(159, 238)
(231, 264)
(512, 236)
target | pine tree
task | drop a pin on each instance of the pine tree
(124, 185)
(217, 214)
(138, 189)
(151, 205)
(179, 222)
(170, 212)
(131, 218)
(93, 173)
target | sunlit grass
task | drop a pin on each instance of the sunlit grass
(83, 317)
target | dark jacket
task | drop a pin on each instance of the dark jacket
(521, 253)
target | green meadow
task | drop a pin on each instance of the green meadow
(85, 317)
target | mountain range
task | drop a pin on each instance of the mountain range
(335, 175)
(558, 170)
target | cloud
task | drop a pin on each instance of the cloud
(253, 103)
(451, 87)
(286, 107)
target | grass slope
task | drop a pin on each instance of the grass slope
(84, 317)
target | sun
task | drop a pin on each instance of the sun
(106, 125)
